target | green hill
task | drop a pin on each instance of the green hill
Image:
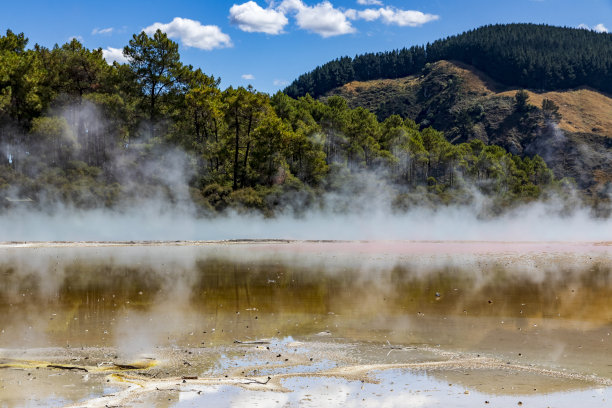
(526, 55)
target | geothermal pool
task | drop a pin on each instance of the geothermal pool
(305, 323)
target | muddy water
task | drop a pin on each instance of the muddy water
(354, 323)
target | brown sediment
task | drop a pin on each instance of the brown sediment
(478, 363)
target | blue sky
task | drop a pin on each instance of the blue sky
(270, 43)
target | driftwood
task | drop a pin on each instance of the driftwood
(251, 342)
(392, 347)
(252, 381)
(126, 366)
(64, 367)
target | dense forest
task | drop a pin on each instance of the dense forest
(78, 131)
(524, 55)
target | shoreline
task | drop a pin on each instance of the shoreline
(248, 370)
(387, 247)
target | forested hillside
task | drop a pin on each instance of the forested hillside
(525, 55)
(77, 131)
(571, 130)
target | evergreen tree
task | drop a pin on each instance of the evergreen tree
(525, 55)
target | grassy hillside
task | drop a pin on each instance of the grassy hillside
(466, 103)
(583, 110)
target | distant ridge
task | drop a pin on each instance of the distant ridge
(532, 56)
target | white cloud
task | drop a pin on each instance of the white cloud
(248, 76)
(193, 34)
(114, 54)
(252, 18)
(391, 15)
(76, 37)
(291, 5)
(280, 82)
(322, 18)
(370, 2)
(102, 31)
(599, 28)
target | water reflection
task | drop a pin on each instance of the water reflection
(548, 306)
(395, 388)
(41, 388)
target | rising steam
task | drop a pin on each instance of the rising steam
(360, 208)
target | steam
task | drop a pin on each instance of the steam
(532, 223)
(155, 203)
(140, 297)
(560, 151)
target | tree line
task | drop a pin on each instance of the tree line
(525, 55)
(77, 130)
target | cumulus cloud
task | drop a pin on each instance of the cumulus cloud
(102, 31)
(248, 76)
(370, 2)
(280, 82)
(252, 18)
(114, 54)
(192, 33)
(600, 28)
(322, 18)
(393, 16)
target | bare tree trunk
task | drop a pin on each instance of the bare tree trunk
(246, 153)
(236, 147)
